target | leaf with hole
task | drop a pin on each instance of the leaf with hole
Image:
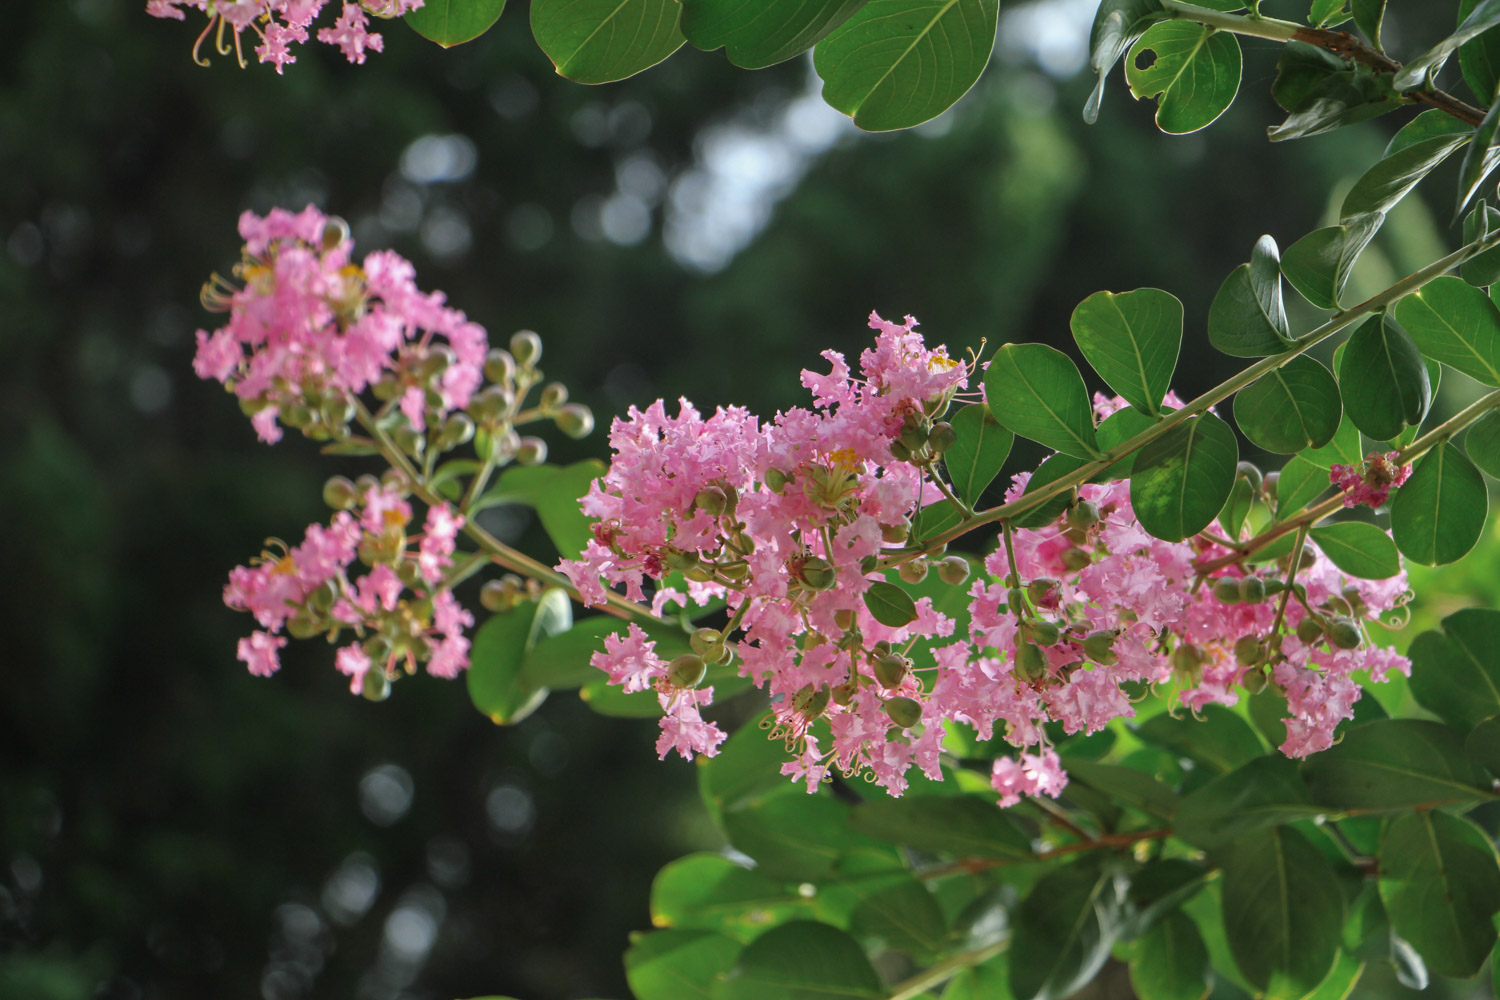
(496, 683)
(1035, 391)
(1358, 548)
(453, 22)
(755, 34)
(1453, 322)
(1455, 670)
(1440, 884)
(1117, 24)
(600, 41)
(899, 63)
(1192, 71)
(1290, 408)
(979, 453)
(1181, 480)
(1319, 264)
(1132, 339)
(1383, 380)
(1438, 516)
(1247, 318)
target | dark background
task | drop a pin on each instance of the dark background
(171, 827)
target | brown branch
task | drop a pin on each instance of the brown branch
(1342, 43)
(972, 865)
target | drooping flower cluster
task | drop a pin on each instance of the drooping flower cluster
(309, 330)
(280, 24)
(798, 522)
(400, 608)
(1372, 480)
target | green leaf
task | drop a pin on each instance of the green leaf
(1132, 339)
(1388, 181)
(1456, 670)
(1483, 744)
(1343, 449)
(1063, 932)
(1319, 264)
(1172, 963)
(1359, 549)
(986, 981)
(1453, 322)
(1323, 92)
(1160, 888)
(1431, 124)
(1395, 764)
(1368, 15)
(1054, 468)
(1181, 480)
(1328, 13)
(759, 33)
(1480, 160)
(1125, 785)
(1384, 383)
(1441, 887)
(899, 63)
(1479, 58)
(1219, 739)
(600, 41)
(710, 892)
(1290, 408)
(746, 770)
(1439, 514)
(1117, 24)
(1265, 791)
(977, 456)
(967, 826)
(553, 491)
(1482, 268)
(888, 909)
(453, 22)
(678, 965)
(936, 518)
(1116, 429)
(891, 606)
(1036, 392)
(801, 960)
(793, 835)
(1482, 443)
(1484, 16)
(1247, 318)
(1192, 71)
(496, 684)
(1283, 911)
(1232, 515)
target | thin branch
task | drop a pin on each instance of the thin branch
(946, 970)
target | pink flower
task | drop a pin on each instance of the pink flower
(349, 34)
(259, 651)
(1371, 481)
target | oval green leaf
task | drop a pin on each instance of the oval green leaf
(553, 491)
(453, 22)
(1319, 264)
(1117, 24)
(1342, 449)
(1483, 744)
(1483, 268)
(802, 960)
(1455, 671)
(710, 892)
(678, 964)
(1217, 738)
(1358, 548)
(980, 451)
(1387, 182)
(1063, 932)
(496, 683)
(1172, 963)
(1266, 791)
(1036, 391)
(1384, 382)
(966, 826)
(1192, 71)
(1440, 884)
(891, 606)
(1453, 322)
(1181, 480)
(1290, 408)
(1132, 339)
(899, 63)
(1395, 764)
(1482, 444)
(755, 34)
(1247, 318)
(1439, 514)
(600, 41)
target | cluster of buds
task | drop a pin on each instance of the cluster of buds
(280, 24)
(1372, 480)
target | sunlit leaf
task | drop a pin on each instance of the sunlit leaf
(759, 33)
(1181, 480)
(496, 684)
(1132, 339)
(1192, 71)
(1247, 318)
(1290, 408)
(1358, 548)
(600, 41)
(1453, 322)
(453, 22)
(1438, 516)
(1440, 884)
(1036, 391)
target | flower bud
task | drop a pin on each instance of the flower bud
(844, 693)
(337, 409)
(1252, 590)
(491, 403)
(575, 420)
(1014, 601)
(1075, 559)
(1344, 634)
(376, 686)
(904, 712)
(1254, 681)
(1310, 630)
(1043, 633)
(1227, 590)
(914, 437)
(1250, 474)
(434, 363)
(900, 452)
(409, 441)
(706, 642)
(302, 626)
(953, 570)
(895, 534)
(711, 499)
(493, 596)
(296, 414)
(1268, 483)
(914, 571)
(526, 348)
(881, 648)
(1045, 592)
(1083, 515)
(335, 232)
(1248, 650)
(844, 618)
(553, 395)
(941, 437)
(1187, 658)
(817, 573)
(533, 451)
(776, 480)
(457, 429)
(323, 596)
(499, 366)
(395, 480)
(687, 671)
(339, 493)
(891, 669)
(386, 388)
(1031, 662)
(1100, 647)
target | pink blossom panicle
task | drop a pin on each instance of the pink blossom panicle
(1372, 480)
(280, 24)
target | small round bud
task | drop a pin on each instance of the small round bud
(1248, 650)
(914, 437)
(376, 686)
(1309, 630)
(575, 420)
(395, 481)
(914, 571)
(302, 626)
(533, 451)
(1044, 591)
(1014, 600)
(895, 534)
(553, 395)
(706, 642)
(526, 348)
(409, 441)
(339, 493)
(686, 671)
(1344, 634)
(1274, 586)
(491, 403)
(499, 366)
(904, 712)
(1075, 559)
(434, 364)
(817, 573)
(335, 232)
(337, 409)
(711, 499)
(941, 437)
(1043, 633)
(1187, 658)
(324, 595)
(1268, 483)
(1100, 647)
(1252, 590)
(457, 429)
(297, 415)
(953, 570)
(1031, 662)
(1227, 590)
(493, 595)
(881, 648)
(1254, 681)
(844, 693)
(1250, 474)
(385, 388)
(891, 669)
(900, 452)
(844, 619)
(1083, 515)
(776, 480)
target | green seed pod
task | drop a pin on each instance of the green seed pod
(881, 648)
(490, 404)
(533, 451)
(434, 364)
(1250, 474)
(1252, 590)
(1043, 633)
(725, 656)
(1274, 586)
(1248, 650)
(1031, 662)
(818, 573)
(1227, 590)
(706, 642)
(395, 480)
(575, 420)
(904, 712)
(1100, 647)
(914, 571)
(1083, 515)
(457, 429)
(339, 493)
(686, 671)
(526, 348)
(1254, 681)
(891, 670)
(1344, 634)
(409, 441)
(1310, 630)
(499, 366)
(1014, 601)
(953, 570)
(553, 395)
(914, 437)
(376, 685)
(941, 437)
(711, 499)
(1076, 559)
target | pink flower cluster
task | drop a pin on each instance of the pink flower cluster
(1372, 480)
(309, 330)
(280, 24)
(312, 589)
(792, 521)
